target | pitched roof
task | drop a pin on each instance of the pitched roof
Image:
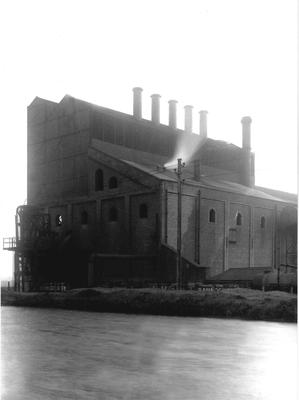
(288, 197)
(154, 165)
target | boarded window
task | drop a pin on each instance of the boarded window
(113, 182)
(113, 214)
(58, 220)
(99, 180)
(84, 218)
(239, 219)
(143, 211)
(263, 222)
(212, 215)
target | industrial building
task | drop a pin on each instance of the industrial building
(118, 199)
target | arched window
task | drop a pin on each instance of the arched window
(113, 214)
(99, 180)
(263, 222)
(112, 182)
(239, 219)
(143, 211)
(58, 220)
(212, 215)
(84, 218)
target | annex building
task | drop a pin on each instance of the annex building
(104, 200)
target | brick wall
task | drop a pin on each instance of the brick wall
(263, 236)
(212, 235)
(113, 233)
(239, 236)
(58, 137)
(144, 231)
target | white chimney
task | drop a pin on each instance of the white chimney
(137, 102)
(203, 131)
(188, 119)
(156, 108)
(172, 113)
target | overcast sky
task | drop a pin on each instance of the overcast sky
(232, 58)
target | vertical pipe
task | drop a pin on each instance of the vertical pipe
(179, 225)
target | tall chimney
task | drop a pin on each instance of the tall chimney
(172, 113)
(248, 161)
(188, 119)
(156, 108)
(137, 102)
(246, 132)
(203, 131)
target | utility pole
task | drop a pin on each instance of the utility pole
(179, 225)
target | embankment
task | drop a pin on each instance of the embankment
(227, 303)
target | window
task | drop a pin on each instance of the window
(212, 215)
(99, 180)
(263, 222)
(58, 220)
(113, 214)
(232, 235)
(84, 218)
(112, 182)
(143, 211)
(239, 219)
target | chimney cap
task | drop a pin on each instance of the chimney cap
(155, 95)
(246, 120)
(137, 89)
(203, 112)
(188, 106)
(172, 101)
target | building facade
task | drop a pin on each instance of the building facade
(102, 200)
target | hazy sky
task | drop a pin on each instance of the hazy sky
(232, 58)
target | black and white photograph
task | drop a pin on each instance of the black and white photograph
(149, 199)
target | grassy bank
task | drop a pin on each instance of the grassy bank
(227, 303)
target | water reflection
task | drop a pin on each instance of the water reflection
(59, 354)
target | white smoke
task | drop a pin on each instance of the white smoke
(186, 147)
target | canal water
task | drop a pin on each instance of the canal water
(61, 354)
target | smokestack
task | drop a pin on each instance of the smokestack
(137, 102)
(246, 132)
(156, 108)
(172, 113)
(248, 166)
(188, 119)
(203, 131)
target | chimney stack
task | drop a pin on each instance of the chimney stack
(203, 131)
(156, 108)
(246, 132)
(188, 119)
(248, 160)
(137, 102)
(172, 113)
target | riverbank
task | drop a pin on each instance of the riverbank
(227, 303)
